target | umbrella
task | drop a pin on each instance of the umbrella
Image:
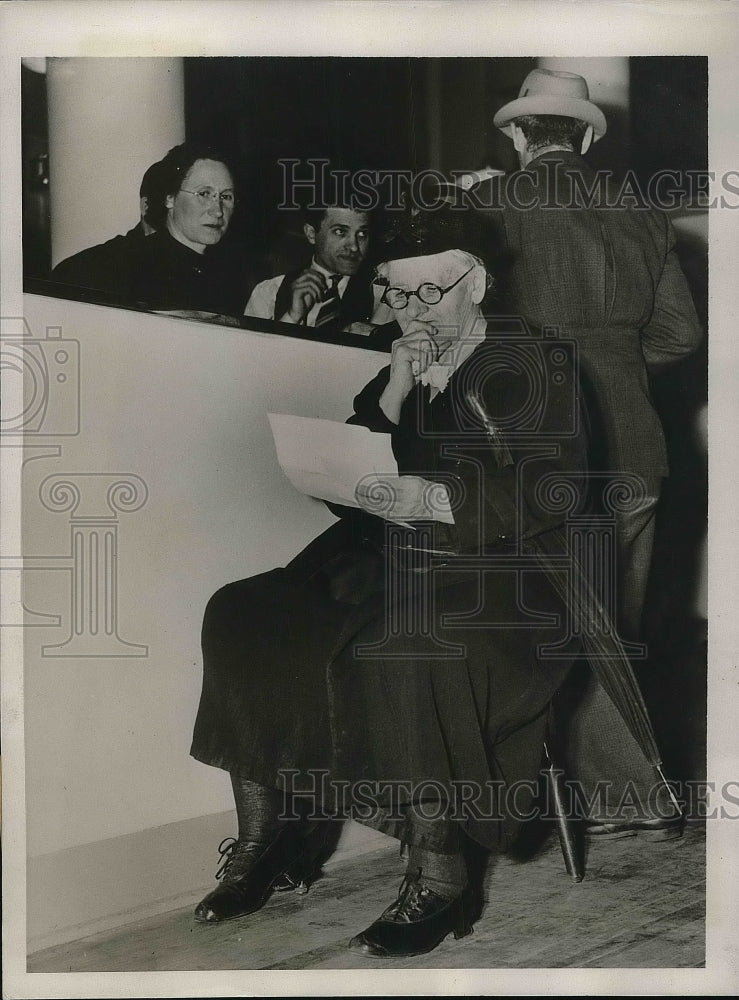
(602, 644)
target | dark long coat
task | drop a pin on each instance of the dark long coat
(452, 684)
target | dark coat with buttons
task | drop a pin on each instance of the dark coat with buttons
(158, 272)
(167, 275)
(365, 660)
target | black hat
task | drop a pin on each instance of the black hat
(452, 225)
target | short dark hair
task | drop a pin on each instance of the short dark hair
(151, 181)
(151, 189)
(170, 172)
(315, 216)
(552, 130)
(328, 192)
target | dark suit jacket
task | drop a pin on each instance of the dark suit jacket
(610, 279)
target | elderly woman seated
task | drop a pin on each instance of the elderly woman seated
(395, 671)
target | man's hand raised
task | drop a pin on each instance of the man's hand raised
(307, 289)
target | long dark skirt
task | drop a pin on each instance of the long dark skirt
(316, 681)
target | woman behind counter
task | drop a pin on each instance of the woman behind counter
(183, 265)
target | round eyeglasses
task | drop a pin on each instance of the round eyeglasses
(428, 293)
(206, 196)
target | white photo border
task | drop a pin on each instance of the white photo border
(432, 28)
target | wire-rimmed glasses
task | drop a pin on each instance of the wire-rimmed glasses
(428, 293)
(206, 196)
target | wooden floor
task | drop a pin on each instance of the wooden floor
(640, 906)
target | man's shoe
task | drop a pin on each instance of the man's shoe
(653, 830)
(248, 873)
(415, 923)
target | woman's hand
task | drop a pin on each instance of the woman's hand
(404, 498)
(412, 355)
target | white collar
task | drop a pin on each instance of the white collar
(329, 274)
(437, 375)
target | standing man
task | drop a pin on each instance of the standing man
(608, 277)
(334, 290)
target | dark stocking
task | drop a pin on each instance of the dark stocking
(258, 809)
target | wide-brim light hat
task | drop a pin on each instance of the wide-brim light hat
(553, 92)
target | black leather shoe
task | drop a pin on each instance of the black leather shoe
(415, 923)
(653, 830)
(248, 874)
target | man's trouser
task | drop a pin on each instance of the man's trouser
(634, 541)
(598, 746)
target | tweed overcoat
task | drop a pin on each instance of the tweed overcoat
(603, 270)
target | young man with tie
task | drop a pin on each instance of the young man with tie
(333, 291)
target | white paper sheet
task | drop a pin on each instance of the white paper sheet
(327, 459)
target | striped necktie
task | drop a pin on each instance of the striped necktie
(329, 310)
